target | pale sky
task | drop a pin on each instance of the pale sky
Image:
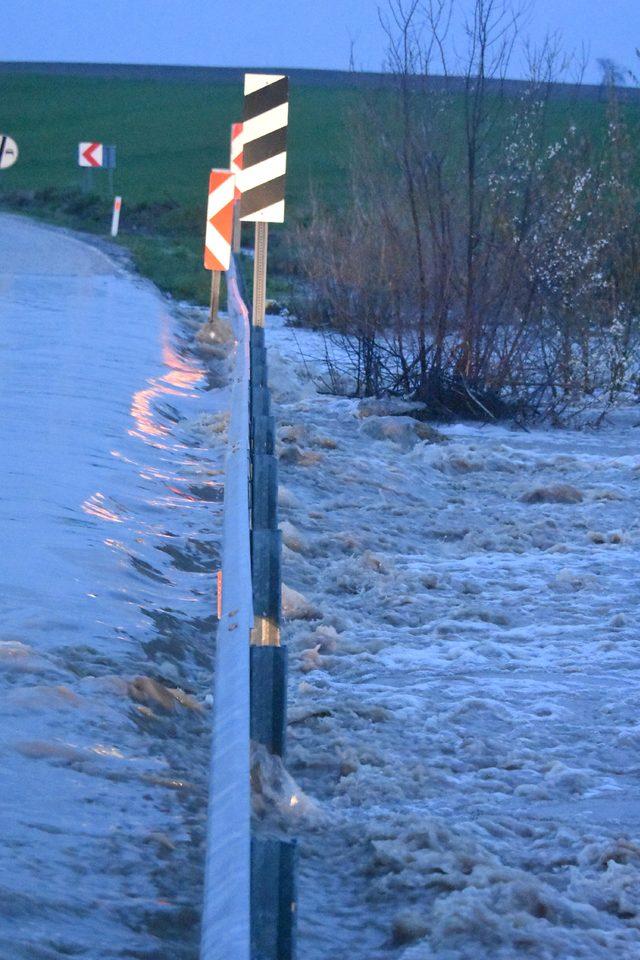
(273, 33)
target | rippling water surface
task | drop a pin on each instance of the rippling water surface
(110, 500)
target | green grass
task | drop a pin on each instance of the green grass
(168, 134)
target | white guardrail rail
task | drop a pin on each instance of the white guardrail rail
(226, 917)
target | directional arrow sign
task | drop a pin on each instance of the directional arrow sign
(235, 164)
(90, 154)
(8, 152)
(217, 243)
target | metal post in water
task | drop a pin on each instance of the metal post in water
(265, 536)
(215, 296)
(273, 903)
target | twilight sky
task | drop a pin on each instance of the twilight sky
(271, 33)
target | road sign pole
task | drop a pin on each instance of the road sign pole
(260, 273)
(111, 181)
(237, 229)
(215, 296)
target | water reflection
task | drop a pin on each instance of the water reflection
(95, 507)
(180, 379)
(98, 402)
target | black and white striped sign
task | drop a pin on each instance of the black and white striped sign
(264, 136)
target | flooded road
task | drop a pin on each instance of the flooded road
(110, 511)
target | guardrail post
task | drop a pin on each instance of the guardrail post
(264, 494)
(273, 905)
(260, 401)
(259, 364)
(272, 860)
(263, 434)
(265, 536)
(269, 697)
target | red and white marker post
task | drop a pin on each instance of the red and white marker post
(219, 232)
(235, 165)
(115, 219)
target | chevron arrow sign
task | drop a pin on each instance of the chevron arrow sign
(90, 154)
(264, 155)
(217, 244)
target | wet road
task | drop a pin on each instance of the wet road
(110, 499)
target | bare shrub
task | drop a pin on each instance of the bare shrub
(488, 259)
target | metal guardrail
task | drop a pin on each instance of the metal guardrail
(249, 896)
(226, 917)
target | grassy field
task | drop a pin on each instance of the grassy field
(168, 135)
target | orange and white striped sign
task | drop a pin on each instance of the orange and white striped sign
(235, 164)
(218, 237)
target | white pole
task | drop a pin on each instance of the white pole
(115, 220)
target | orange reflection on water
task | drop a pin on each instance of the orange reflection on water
(142, 413)
(182, 493)
(94, 506)
(182, 375)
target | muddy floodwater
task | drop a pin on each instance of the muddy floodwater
(462, 624)
(461, 615)
(110, 502)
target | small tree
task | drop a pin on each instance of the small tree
(485, 260)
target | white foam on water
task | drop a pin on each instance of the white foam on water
(471, 730)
